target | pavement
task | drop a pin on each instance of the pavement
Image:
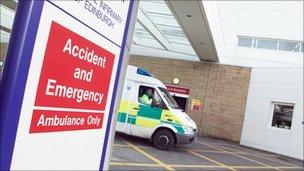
(133, 153)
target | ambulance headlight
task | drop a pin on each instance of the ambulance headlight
(189, 130)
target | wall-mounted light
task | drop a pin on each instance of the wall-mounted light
(175, 81)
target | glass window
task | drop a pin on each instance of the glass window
(282, 115)
(179, 40)
(138, 26)
(172, 37)
(289, 46)
(143, 33)
(164, 20)
(149, 96)
(169, 98)
(7, 14)
(173, 31)
(155, 7)
(246, 42)
(267, 44)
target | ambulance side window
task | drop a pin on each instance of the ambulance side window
(145, 95)
(158, 102)
(149, 96)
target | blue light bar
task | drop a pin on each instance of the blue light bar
(142, 71)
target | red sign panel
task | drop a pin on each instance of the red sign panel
(75, 74)
(51, 121)
(176, 89)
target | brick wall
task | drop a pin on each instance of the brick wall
(221, 88)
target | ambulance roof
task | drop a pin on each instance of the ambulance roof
(141, 75)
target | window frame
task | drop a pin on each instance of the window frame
(165, 107)
(282, 41)
(256, 40)
(282, 130)
(253, 42)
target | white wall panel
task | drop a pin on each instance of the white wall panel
(230, 26)
(287, 75)
(230, 39)
(253, 117)
(229, 4)
(297, 143)
(269, 58)
(253, 135)
(262, 19)
(229, 51)
(277, 141)
(297, 123)
(229, 14)
(275, 92)
(299, 108)
(279, 84)
(258, 105)
(249, 15)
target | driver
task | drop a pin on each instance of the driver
(146, 98)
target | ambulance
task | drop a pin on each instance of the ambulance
(161, 121)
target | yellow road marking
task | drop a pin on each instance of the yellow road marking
(239, 156)
(232, 149)
(259, 155)
(216, 151)
(133, 164)
(196, 166)
(127, 146)
(121, 145)
(265, 167)
(209, 159)
(290, 167)
(145, 147)
(160, 163)
(278, 161)
(237, 167)
(200, 166)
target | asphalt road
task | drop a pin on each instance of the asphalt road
(133, 153)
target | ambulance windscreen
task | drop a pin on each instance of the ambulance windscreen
(142, 71)
(169, 98)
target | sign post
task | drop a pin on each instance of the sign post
(60, 82)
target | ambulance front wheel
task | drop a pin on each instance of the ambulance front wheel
(164, 139)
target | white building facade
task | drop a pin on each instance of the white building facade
(268, 37)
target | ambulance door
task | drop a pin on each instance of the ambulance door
(125, 107)
(148, 116)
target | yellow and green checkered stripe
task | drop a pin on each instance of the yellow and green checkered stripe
(147, 116)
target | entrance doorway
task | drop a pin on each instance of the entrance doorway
(180, 94)
(181, 101)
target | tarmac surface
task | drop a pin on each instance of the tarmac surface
(133, 153)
